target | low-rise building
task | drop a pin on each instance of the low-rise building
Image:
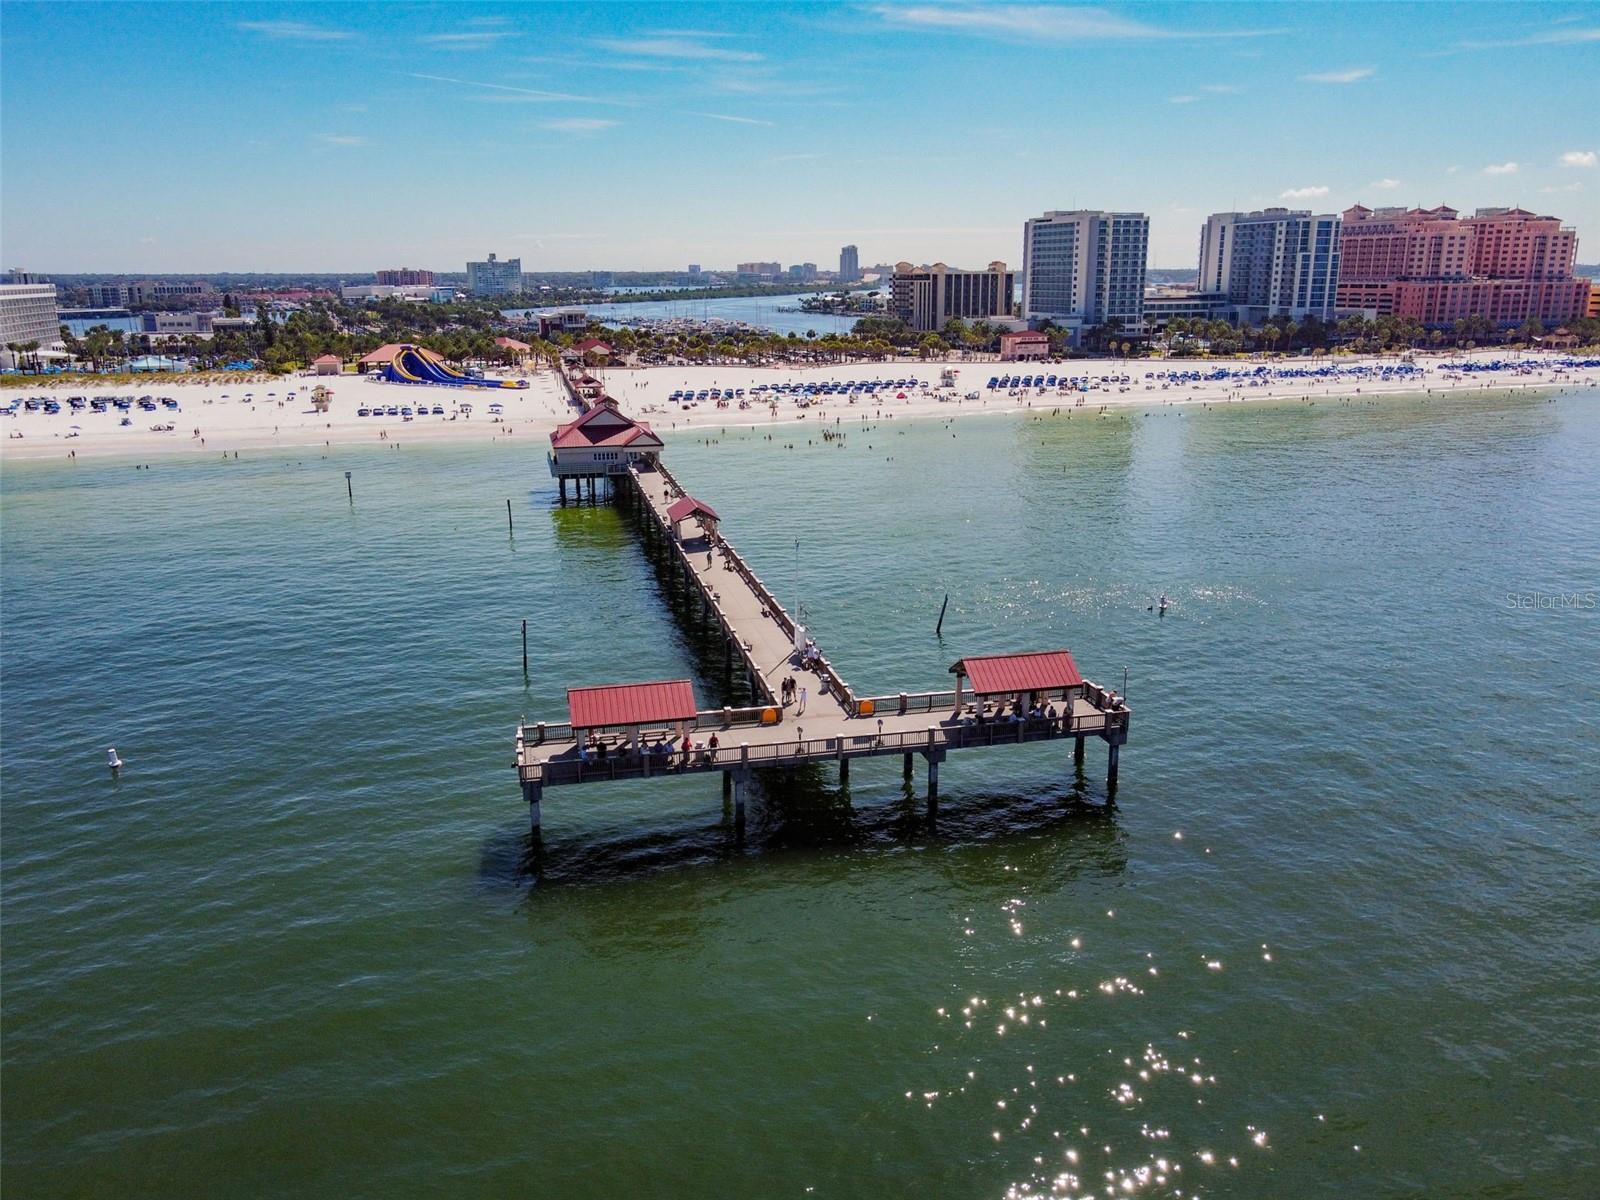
(415, 292)
(1024, 345)
(1162, 306)
(603, 441)
(561, 320)
(177, 324)
(1592, 309)
(148, 291)
(327, 364)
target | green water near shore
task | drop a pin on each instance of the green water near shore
(296, 949)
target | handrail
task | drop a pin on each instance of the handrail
(620, 765)
(836, 682)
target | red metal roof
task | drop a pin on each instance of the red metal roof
(688, 506)
(631, 704)
(1002, 674)
(603, 425)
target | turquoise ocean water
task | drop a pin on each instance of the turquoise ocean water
(296, 949)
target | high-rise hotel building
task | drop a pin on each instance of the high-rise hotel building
(495, 277)
(1271, 263)
(926, 298)
(849, 264)
(1085, 268)
(1437, 267)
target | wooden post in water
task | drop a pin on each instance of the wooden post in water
(1111, 768)
(524, 650)
(905, 771)
(1077, 753)
(349, 490)
(510, 529)
(938, 630)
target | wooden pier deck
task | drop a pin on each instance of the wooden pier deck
(834, 725)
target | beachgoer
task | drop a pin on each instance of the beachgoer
(802, 707)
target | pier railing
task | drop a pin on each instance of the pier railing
(770, 602)
(713, 720)
(824, 669)
(627, 764)
(904, 702)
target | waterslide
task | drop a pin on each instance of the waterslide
(410, 367)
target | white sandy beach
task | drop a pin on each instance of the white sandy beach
(234, 416)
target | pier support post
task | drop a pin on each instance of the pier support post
(905, 771)
(844, 772)
(1077, 754)
(727, 786)
(563, 482)
(741, 785)
(533, 793)
(1111, 767)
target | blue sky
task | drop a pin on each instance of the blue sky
(346, 137)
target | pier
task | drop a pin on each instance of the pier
(651, 730)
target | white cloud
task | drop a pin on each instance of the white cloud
(1304, 193)
(1182, 99)
(1035, 22)
(1505, 168)
(1451, 170)
(1580, 158)
(1384, 185)
(577, 124)
(479, 39)
(674, 47)
(515, 95)
(296, 31)
(1353, 75)
(689, 33)
(728, 117)
(1574, 186)
(341, 139)
(1553, 37)
(1222, 89)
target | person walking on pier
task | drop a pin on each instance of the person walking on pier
(802, 707)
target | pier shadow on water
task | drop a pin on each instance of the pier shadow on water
(802, 812)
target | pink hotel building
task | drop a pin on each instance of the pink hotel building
(1431, 264)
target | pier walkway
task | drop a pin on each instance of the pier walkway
(1013, 699)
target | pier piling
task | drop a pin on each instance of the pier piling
(1111, 767)
(533, 793)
